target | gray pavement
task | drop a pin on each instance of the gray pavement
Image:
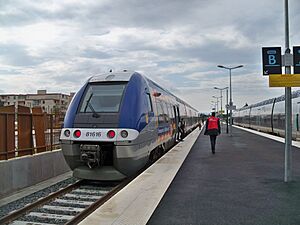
(241, 184)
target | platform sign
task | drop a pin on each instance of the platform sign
(285, 80)
(232, 107)
(296, 53)
(271, 60)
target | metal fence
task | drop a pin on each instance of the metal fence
(26, 132)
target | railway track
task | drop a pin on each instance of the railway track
(69, 205)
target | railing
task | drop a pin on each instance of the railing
(23, 132)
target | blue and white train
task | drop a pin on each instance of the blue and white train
(119, 122)
(269, 116)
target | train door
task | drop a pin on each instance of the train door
(297, 122)
(178, 113)
(272, 116)
(177, 118)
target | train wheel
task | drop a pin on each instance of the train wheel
(155, 154)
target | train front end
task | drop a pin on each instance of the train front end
(92, 137)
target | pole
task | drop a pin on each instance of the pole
(230, 102)
(230, 89)
(221, 103)
(227, 111)
(288, 105)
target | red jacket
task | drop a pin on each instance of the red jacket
(212, 123)
(213, 126)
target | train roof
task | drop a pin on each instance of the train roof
(295, 94)
(112, 76)
(125, 76)
(177, 99)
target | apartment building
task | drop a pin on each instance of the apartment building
(50, 102)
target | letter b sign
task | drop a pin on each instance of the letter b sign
(271, 60)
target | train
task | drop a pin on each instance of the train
(269, 116)
(119, 122)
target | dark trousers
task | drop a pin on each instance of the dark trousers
(182, 135)
(213, 139)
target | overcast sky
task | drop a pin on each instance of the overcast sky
(57, 45)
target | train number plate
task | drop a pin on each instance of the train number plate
(93, 134)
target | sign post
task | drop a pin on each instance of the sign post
(272, 66)
(288, 104)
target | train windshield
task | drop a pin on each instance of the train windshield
(102, 98)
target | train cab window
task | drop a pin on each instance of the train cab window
(102, 98)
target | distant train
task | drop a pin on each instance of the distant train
(269, 116)
(118, 122)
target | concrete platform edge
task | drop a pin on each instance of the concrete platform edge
(32, 189)
(270, 136)
(23, 172)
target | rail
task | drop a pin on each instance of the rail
(82, 192)
(16, 214)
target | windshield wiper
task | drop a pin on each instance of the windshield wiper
(95, 114)
(88, 104)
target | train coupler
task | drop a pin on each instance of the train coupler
(91, 155)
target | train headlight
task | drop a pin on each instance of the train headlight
(67, 133)
(77, 133)
(124, 134)
(111, 134)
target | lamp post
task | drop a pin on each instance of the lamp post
(214, 105)
(222, 89)
(217, 102)
(221, 96)
(230, 91)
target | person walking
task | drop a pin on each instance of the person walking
(181, 127)
(199, 125)
(213, 129)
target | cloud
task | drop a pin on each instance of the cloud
(91, 53)
(17, 55)
(57, 45)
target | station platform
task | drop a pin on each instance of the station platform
(241, 184)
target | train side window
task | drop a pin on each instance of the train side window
(160, 111)
(149, 102)
(166, 112)
(171, 111)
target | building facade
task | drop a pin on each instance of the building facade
(51, 103)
